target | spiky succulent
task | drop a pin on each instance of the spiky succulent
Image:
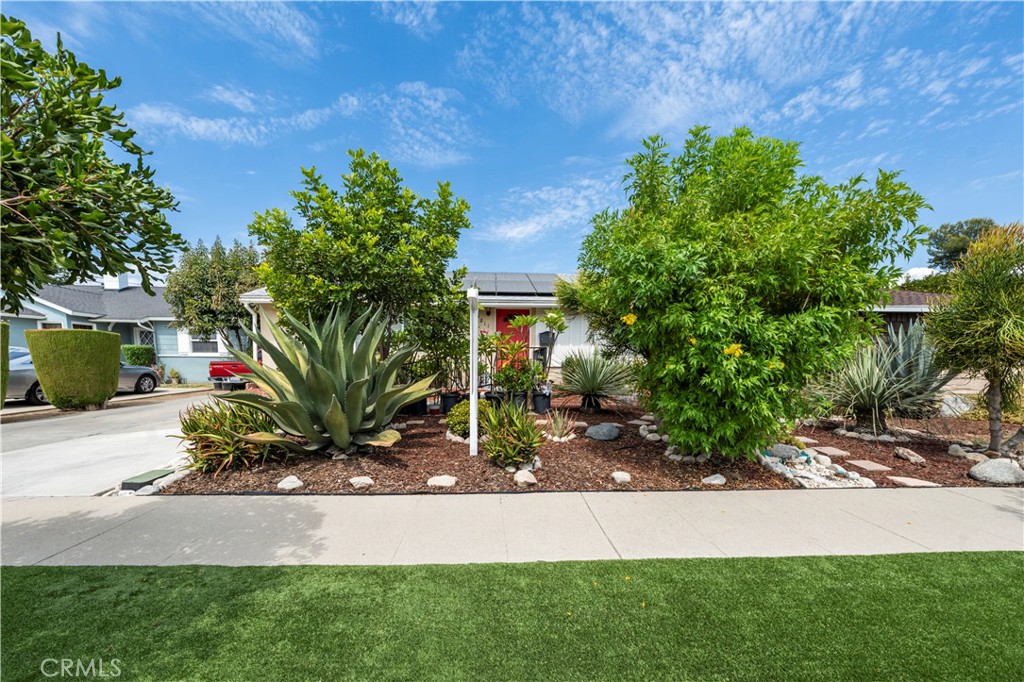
(328, 385)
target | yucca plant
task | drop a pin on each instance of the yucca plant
(329, 386)
(897, 375)
(594, 377)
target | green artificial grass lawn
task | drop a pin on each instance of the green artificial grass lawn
(922, 617)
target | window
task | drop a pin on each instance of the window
(82, 325)
(204, 344)
(50, 325)
(146, 337)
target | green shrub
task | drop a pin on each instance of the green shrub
(143, 355)
(212, 435)
(77, 368)
(5, 367)
(896, 375)
(457, 418)
(513, 435)
(594, 377)
(329, 386)
(739, 281)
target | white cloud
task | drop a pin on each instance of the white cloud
(240, 98)
(996, 180)
(420, 18)
(275, 29)
(568, 208)
(917, 273)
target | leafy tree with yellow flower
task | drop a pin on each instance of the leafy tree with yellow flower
(739, 280)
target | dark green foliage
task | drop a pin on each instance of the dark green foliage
(5, 366)
(513, 435)
(935, 284)
(594, 377)
(142, 355)
(739, 281)
(211, 432)
(69, 210)
(204, 289)
(373, 242)
(77, 368)
(457, 418)
(949, 616)
(948, 243)
(441, 331)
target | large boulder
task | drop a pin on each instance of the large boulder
(603, 432)
(785, 452)
(998, 472)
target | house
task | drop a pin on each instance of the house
(117, 305)
(504, 295)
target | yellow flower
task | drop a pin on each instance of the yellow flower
(627, 578)
(735, 350)
(693, 341)
(629, 319)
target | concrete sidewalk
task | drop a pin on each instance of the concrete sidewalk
(428, 529)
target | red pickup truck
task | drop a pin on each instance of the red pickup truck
(228, 374)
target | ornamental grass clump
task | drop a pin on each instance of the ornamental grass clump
(594, 378)
(738, 281)
(329, 386)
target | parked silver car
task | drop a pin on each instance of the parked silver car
(23, 383)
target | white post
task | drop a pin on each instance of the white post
(473, 294)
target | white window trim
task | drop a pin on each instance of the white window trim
(40, 323)
(92, 325)
(185, 346)
(138, 335)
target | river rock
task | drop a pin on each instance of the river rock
(602, 432)
(359, 482)
(997, 471)
(290, 483)
(785, 452)
(717, 479)
(525, 478)
(621, 477)
(442, 481)
(910, 456)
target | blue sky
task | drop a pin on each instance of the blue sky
(529, 110)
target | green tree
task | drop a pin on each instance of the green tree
(374, 242)
(203, 290)
(980, 328)
(68, 211)
(937, 283)
(948, 243)
(441, 330)
(739, 281)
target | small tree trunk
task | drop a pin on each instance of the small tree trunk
(994, 399)
(869, 422)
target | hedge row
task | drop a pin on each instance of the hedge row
(143, 355)
(5, 368)
(77, 368)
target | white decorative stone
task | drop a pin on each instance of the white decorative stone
(822, 460)
(621, 477)
(852, 475)
(806, 441)
(886, 438)
(664, 438)
(956, 451)
(414, 422)
(524, 478)
(866, 482)
(784, 452)
(975, 457)
(675, 458)
(644, 430)
(442, 481)
(689, 459)
(649, 417)
(581, 425)
(717, 479)
(653, 437)
(511, 469)
(1000, 471)
(399, 427)
(910, 456)
(147, 490)
(290, 483)
(125, 493)
(702, 457)
(361, 482)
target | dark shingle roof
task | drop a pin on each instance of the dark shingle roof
(898, 297)
(132, 303)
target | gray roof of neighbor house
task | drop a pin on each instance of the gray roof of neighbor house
(99, 304)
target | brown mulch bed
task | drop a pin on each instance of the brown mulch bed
(581, 464)
(940, 467)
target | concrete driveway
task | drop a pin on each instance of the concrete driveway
(85, 453)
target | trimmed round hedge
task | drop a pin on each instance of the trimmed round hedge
(5, 367)
(77, 368)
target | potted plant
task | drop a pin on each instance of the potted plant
(175, 376)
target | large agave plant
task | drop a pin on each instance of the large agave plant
(896, 375)
(328, 386)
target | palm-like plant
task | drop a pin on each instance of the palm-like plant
(897, 375)
(329, 387)
(593, 377)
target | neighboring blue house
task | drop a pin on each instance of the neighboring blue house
(118, 306)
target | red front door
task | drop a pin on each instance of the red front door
(518, 333)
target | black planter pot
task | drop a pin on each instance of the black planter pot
(519, 400)
(416, 409)
(541, 403)
(450, 400)
(493, 398)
